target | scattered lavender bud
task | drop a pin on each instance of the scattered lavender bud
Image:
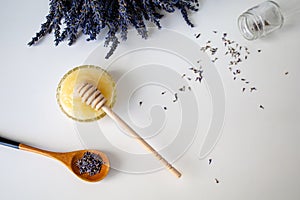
(182, 89)
(261, 106)
(252, 89)
(176, 97)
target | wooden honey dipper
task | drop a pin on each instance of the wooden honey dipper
(94, 98)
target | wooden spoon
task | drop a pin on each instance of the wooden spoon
(67, 158)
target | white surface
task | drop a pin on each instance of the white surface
(257, 156)
(142, 71)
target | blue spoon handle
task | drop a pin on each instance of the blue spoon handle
(9, 143)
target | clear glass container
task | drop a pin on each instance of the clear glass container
(260, 20)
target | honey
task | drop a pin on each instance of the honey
(69, 100)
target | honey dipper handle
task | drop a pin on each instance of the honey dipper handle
(129, 130)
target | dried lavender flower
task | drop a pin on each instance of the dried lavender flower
(209, 161)
(69, 18)
(90, 163)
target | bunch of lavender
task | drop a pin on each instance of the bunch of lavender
(68, 18)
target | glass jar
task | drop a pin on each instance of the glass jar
(260, 20)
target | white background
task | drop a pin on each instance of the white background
(257, 157)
